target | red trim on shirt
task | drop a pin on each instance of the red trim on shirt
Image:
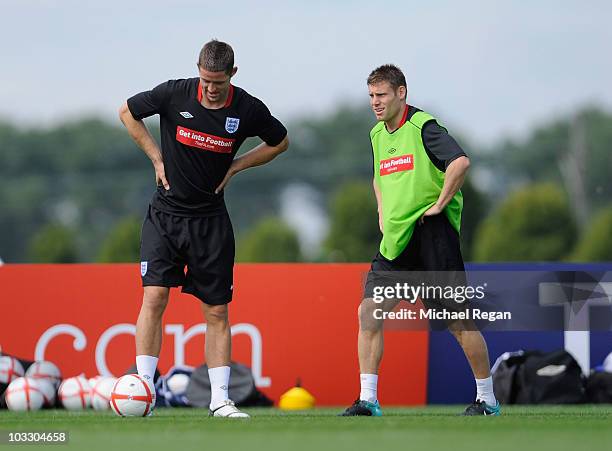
(230, 95)
(404, 117)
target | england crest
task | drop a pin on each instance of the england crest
(143, 268)
(231, 124)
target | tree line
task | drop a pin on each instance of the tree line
(77, 192)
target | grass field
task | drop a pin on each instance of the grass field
(576, 428)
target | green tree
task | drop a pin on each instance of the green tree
(122, 245)
(596, 242)
(53, 243)
(540, 156)
(532, 224)
(354, 235)
(270, 240)
(89, 167)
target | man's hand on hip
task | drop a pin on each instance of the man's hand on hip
(160, 175)
(230, 173)
(261, 154)
(432, 211)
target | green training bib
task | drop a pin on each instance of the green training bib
(408, 181)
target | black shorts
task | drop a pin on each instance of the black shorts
(205, 245)
(431, 258)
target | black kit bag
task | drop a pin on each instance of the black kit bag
(550, 378)
(599, 388)
(242, 388)
(534, 377)
(504, 373)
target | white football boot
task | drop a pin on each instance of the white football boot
(227, 409)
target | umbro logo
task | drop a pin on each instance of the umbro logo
(186, 114)
(392, 150)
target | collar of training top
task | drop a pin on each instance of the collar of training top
(230, 95)
(402, 121)
(404, 116)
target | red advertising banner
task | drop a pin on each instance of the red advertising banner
(289, 321)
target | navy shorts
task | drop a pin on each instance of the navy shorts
(196, 253)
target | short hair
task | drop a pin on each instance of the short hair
(390, 73)
(217, 56)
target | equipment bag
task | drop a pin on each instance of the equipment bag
(504, 372)
(599, 388)
(534, 377)
(242, 388)
(171, 388)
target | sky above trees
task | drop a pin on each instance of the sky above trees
(489, 69)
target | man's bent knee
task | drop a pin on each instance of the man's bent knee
(368, 319)
(216, 315)
(462, 329)
(155, 299)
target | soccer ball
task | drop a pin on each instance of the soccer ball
(24, 394)
(43, 369)
(48, 391)
(173, 386)
(101, 393)
(74, 393)
(131, 396)
(10, 369)
(94, 380)
(177, 383)
(175, 389)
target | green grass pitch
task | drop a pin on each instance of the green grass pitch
(575, 428)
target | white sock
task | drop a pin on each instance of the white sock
(219, 383)
(368, 387)
(146, 365)
(484, 391)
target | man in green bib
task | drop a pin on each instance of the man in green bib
(418, 172)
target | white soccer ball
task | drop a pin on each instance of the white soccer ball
(94, 380)
(10, 369)
(74, 393)
(24, 394)
(101, 393)
(131, 396)
(48, 391)
(43, 369)
(177, 383)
